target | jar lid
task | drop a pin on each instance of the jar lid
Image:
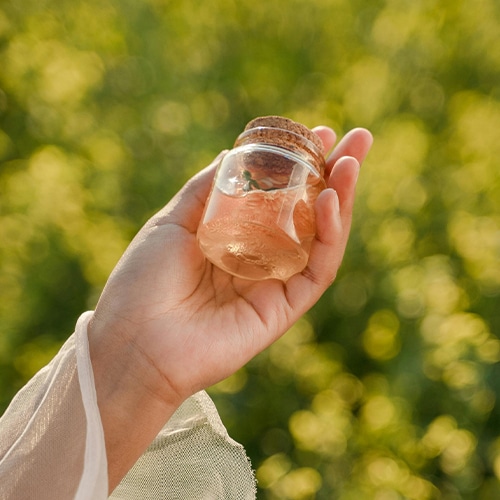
(286, 133)
(281, 122)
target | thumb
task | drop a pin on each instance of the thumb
(186, 207)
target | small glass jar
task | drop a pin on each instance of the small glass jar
(259, 220)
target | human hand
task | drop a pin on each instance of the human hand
(169, 323)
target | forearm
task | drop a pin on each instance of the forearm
(131, 399)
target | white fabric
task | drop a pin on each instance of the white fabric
(94, 479)
(52, 443)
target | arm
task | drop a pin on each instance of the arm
(169, 323)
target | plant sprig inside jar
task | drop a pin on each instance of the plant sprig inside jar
(252, 183)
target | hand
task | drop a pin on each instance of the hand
(169, 323)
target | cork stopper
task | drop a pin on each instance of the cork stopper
(283, 123)
(285, 133)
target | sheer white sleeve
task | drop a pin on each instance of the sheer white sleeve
(52, 443)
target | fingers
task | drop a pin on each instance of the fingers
(333, 222)
(334, 209)
(355, 143)
(327, 135)
(304, 289)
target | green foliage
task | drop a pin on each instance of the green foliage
(388, 389)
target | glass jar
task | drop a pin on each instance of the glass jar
(259, 220)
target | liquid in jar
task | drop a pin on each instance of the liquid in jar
(259, 221)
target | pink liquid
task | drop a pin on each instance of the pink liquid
(263, 234)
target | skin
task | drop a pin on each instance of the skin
(169, 323)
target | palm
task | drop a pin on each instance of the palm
(194, 311)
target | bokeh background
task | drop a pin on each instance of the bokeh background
(389, 388)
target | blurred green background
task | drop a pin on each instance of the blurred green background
(388, 389)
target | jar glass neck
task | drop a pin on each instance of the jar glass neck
(292, 156)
